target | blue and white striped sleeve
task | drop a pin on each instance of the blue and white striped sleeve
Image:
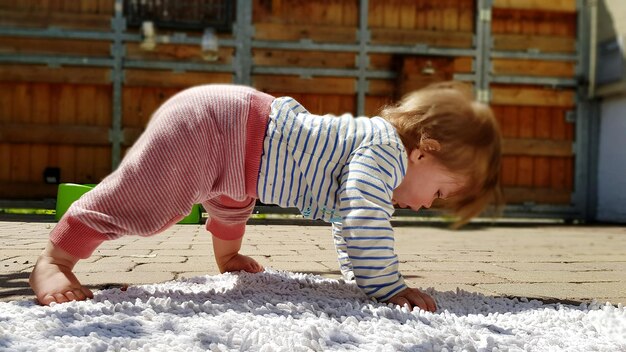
(365, 193)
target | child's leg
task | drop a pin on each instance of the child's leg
(228, 236)
(171, 167)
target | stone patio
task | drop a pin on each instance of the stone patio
(545, 261)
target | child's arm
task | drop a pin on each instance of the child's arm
(227, 223)
(366, 208)
(228, 258)
(342, 252)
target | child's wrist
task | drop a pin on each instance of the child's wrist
(225, 251)
(226, 231)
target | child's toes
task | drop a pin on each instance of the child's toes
(46, 300)
(249, 268)
(76, 294)
(71, 296)
(88, 294)
(256, 268)
(79, 295)
(60, 298)
(85, 293)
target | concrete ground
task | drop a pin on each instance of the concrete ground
(549, 262)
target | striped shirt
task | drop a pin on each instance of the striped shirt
(342, 170)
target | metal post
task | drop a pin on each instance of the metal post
(482, 63)
(362, 85)
(243, 37)
(118, 24)
(587, 124)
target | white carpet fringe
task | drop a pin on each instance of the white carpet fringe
(282, 311)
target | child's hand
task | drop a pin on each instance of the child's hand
(414, 297)
(228, 258)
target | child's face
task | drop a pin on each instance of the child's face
(425, 180)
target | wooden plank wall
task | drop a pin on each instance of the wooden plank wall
(53, 117)
(60, 117)
(538, 161)
(402, 22)
(319, 21)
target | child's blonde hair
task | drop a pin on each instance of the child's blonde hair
(463, 134)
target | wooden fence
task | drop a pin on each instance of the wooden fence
(53, 116)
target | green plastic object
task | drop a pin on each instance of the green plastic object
(193, 217)
(68, 193)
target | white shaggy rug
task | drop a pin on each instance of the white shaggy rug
(282, 311)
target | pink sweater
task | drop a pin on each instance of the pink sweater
(203, 145)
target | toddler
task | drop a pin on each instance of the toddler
(226, 146)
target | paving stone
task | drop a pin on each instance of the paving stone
(307, 257)
(420, 265)
(17, 264)
(172, 246)
(121, 252)
(562, 276)
(156, 257)
(173, 267)
(299, 267)
(97, 267)
(203, 248)
(271, 250)
(177, 252)
(101, 279)
(17, 252)
(570, 291)
(139, 246)
(449, 287)
(566, 267)
(450, 277)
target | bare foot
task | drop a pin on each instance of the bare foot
(52, 278)
(241, 262)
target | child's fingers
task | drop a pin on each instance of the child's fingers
(401, 301)
(417, 300)
(59, 298)
(420, 299)
(430, 302)
(408, 299)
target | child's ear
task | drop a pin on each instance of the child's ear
(415, 155)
